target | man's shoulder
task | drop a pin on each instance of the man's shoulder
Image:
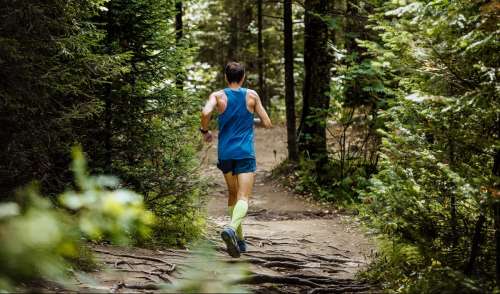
(217, 93)
(252, 93)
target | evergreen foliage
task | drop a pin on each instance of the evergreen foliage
(100, 74)
(436, 177)
(148, 123)
(50, 75)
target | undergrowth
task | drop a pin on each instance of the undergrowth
(302, 179)
(402, 268)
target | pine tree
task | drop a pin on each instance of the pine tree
(152, 126)
(289, 82)
(50, 76)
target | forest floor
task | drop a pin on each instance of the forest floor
(295, 244)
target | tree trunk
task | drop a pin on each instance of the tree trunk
(234, 30)
(496, 214)
(260, 57)
(289, 83)
(453, 198)
(108, 132)
(496, 217)
(316, 98)
(179, 32)
(179, 28)
(476, 242)
(108, 100)
(340, 11)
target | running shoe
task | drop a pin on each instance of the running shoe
(229, 237)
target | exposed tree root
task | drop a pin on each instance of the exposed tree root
(251, 243)
(179, 251)
(257, 212)
(141, 286)
(335, 260)
(149, 286)
(323, 279)
(283, 264)
(135, 256)
(174, 254)
(269, 241)
(148, 278)
(159, 275)
(116, 287)
(278, 258)
(272, 239)
(282, 252)
(261, 279)
(339, 289)
(336, 248)
(167, 271)
(266, 239)
(246, 260)
(325, 263)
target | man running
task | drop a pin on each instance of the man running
(236, 152)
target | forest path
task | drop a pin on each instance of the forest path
(289, 236)
(295, 245)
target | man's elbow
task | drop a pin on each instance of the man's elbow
(205, 113)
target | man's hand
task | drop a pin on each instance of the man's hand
(207, 137)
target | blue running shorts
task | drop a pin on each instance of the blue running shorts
(237, 166)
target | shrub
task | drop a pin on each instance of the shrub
(42, 242)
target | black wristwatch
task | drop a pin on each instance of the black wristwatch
(203, 131)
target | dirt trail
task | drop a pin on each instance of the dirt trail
(295, 245)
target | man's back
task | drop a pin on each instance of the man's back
(252, 100)
(235, 123)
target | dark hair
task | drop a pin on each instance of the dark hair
(234, 72)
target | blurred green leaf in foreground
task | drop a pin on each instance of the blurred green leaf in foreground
(42, 242)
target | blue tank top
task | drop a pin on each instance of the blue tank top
(236, 127)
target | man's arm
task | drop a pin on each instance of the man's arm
(261, 112)
(206, 114)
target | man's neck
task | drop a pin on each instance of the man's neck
(234, 86)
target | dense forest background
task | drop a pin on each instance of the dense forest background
(391, 109)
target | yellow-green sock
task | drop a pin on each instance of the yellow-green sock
(239, 213)
(239, 230)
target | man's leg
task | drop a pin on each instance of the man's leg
(232, 187)
(245, 186)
